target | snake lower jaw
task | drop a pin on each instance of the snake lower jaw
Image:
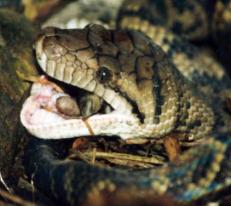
(41, 118)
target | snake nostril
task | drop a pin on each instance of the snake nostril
(52, 49)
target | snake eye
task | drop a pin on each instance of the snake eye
(104, 74)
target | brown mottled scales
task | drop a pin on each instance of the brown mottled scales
(189, 19)
(157, 19)
(204, 72)
(221, 24)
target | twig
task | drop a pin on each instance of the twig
(115, 155)
(15, 199)
(93, 156)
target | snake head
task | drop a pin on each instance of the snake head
(116, 65)
(131, 74)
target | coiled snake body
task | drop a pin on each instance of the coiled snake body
(151, 93)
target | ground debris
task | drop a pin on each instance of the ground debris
(114, 153)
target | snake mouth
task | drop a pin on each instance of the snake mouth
(44, 118)
(49, 98)
(56, 60)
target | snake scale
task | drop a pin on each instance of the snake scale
(153, 91)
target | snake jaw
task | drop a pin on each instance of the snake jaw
(42, 119)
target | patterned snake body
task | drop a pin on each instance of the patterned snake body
(200, 171)
(151, 93)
